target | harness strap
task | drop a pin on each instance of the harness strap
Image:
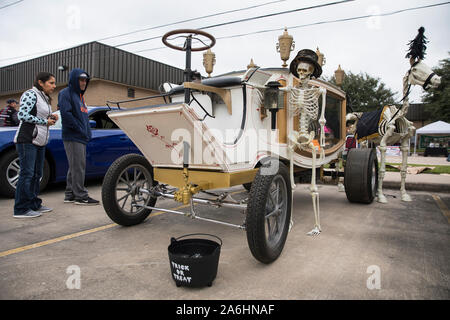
(427, 82)
(407, 93)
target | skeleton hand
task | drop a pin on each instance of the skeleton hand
(286, 89)
(293, 138)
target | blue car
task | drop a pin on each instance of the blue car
(108, 143)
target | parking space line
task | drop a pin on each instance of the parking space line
(47, 242)
(69, 236)
(79, 234)
(445, 211)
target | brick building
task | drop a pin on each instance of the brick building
(418, 115)
(115, 74)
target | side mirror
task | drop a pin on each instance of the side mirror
(92, 124)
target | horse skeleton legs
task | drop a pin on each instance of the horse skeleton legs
(405, 150)
(383, 144)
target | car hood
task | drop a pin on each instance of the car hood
(7, 129)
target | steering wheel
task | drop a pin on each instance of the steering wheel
(189, 34)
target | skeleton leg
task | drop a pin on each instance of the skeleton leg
(380, 195)
(322, 122)
(314, 195)
(405, 149)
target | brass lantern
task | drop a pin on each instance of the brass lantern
(339, 75)
(284, 46)
(209, 60)
(273, 101)
(251, 64)
(321, 57)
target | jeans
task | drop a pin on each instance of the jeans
(31, 160)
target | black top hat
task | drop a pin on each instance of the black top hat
(306, 55)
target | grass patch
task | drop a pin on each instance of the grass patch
(437, 169)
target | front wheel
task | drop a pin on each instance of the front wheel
(122, 197)
(269, 211)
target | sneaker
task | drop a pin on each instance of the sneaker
(69, 199)
(29, 214)
(44, 209)
(88, 201)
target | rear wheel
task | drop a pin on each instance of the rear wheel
(122, 197)
(361, 175)
(269, 211)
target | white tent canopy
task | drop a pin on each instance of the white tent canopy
(438, 127)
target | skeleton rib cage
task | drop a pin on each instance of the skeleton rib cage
(304, 101)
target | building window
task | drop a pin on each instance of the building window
(130, 93)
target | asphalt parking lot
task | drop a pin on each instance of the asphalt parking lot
(379, 251)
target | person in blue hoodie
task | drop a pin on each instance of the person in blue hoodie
(76, 133)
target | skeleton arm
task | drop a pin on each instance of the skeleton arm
(285, 89)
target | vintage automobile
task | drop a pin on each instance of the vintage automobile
(226, 131)
(108, 143)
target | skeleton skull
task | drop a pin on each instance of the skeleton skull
(304, 70)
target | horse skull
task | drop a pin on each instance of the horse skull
(419, 74)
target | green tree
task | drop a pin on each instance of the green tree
(437, 101)
(365, 93)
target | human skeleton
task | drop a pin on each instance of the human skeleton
(304, 102)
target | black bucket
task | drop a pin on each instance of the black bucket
(194, 262)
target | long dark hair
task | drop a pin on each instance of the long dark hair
(44, 77)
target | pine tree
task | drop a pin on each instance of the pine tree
(438, 100)
(365, 93)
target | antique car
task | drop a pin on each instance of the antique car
(224, 131)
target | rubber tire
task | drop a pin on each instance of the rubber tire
(6, 189)
(255, 220)
(358, 175)
(109, 200)
(247, 186)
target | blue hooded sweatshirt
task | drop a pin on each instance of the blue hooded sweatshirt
(74, 114)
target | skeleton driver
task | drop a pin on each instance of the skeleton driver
(304, 102)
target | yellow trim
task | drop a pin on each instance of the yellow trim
(282, 117)
(372, 136)
(382, 115)
(205, 179)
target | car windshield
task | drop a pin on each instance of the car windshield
(98, 120)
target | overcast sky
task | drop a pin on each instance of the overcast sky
(376, 45)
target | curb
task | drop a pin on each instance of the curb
(415, 186)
